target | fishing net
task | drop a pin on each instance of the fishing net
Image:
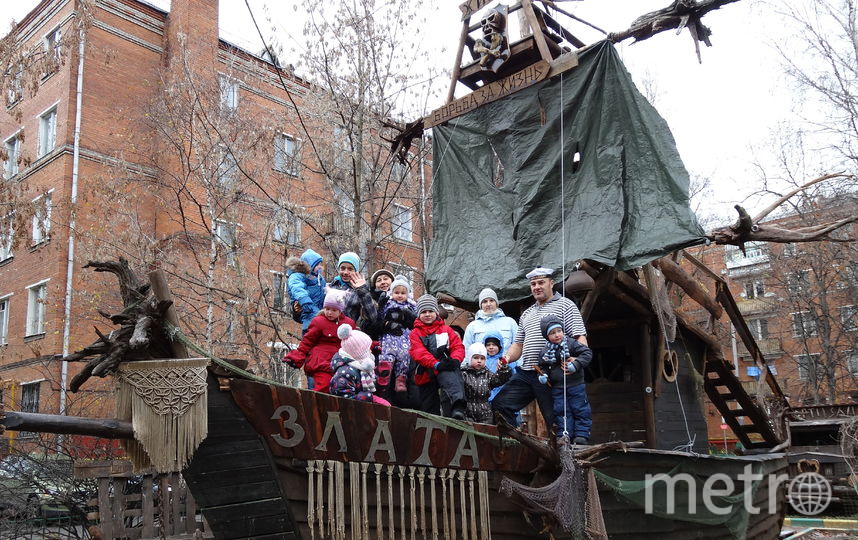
(572, 500)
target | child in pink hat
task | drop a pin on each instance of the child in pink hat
(354, 367)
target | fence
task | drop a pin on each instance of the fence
(140, 506)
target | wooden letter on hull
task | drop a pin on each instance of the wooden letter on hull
(491, 92)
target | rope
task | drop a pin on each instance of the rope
(649, 275)
(176, 334)
(463, 426)
(563, 240)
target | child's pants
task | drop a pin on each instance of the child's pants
(578, 417)
(321, 381)
(452, 393)
(394, 349)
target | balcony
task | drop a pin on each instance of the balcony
(755, 254)
(753, 306)
(338, 224)
(770, 347)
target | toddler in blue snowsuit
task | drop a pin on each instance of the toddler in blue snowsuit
(561, 366)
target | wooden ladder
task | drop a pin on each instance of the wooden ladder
(733, 402)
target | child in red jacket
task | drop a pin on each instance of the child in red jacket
(321, 343)
(438, 352)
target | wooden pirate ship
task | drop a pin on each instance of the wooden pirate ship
(583, 153)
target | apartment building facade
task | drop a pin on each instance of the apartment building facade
(800, 302)
(132, 132)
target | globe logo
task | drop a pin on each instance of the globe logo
(809, 493)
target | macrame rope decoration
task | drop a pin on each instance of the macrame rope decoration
(167, 405)
(464, 500)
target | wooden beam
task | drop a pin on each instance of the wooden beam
(535, 25)
(457, 67)
(700, 266)
(602, 282)
(677, 275)
(106, 428)
(161, 291)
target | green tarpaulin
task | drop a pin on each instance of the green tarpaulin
(625, 204)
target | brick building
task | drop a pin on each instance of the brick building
(129, 131)
(800, 302)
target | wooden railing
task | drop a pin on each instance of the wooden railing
(140, 506)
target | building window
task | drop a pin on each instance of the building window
(287, 227)
(286, 154)
(341, 148)
(798, 281)
(53, 52)
(225, 233)
(15, 91)
(803, 324)
(41, 218)
(807, 363)
(398, 171)
(278, 288)
(852, 362)
(30, 397)
(36, 297)
(47, 132)
(403, 270)
(6, 237)
(759, 328)
(227, 170)
(849, 318)
(228, 93)
(230, 321)
(755, 252)
(4, 320)
(754, 289)
(790, 250)
(13, 154)
(401, 222)
(344, 203)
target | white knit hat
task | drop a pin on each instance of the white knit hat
(400, 281)
(474, 348)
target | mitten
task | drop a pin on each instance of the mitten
(447, 364)
(543, 378)
(570, 367)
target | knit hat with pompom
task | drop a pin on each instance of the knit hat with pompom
(335, 298)
(354, 343)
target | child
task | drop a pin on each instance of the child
(494, 352)
(479, 381)
(354, 367)
(398, 315)
(437, 350)
(320, 343)
(561, 366)
(306, 285)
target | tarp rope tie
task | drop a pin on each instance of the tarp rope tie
(563, 239)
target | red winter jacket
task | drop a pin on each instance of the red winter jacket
(425, 359)
(319, 345)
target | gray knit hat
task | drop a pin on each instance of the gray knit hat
(487, 293)
(400, 281)
(427, 302)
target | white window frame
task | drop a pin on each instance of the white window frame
(42, 222)
(6, 239)
(16, 90)
(284, 160)
(37, 294)
(802, 330)
(754, 288)
(13, 152)
(228, 240)
(756, 328)
(47, 131)
(5, 302)
(287, 227)
(402, 222)
(803, 367)
(399, 171)
(229, 88)
(849, 318)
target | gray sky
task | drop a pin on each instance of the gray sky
(721, 112)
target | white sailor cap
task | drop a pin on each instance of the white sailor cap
(540, 271)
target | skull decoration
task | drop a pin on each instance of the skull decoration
(493, 47)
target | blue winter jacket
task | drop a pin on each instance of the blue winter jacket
(306, 286)
(482, 323)
(492, 360)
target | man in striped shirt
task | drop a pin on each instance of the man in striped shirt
(524, 386)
